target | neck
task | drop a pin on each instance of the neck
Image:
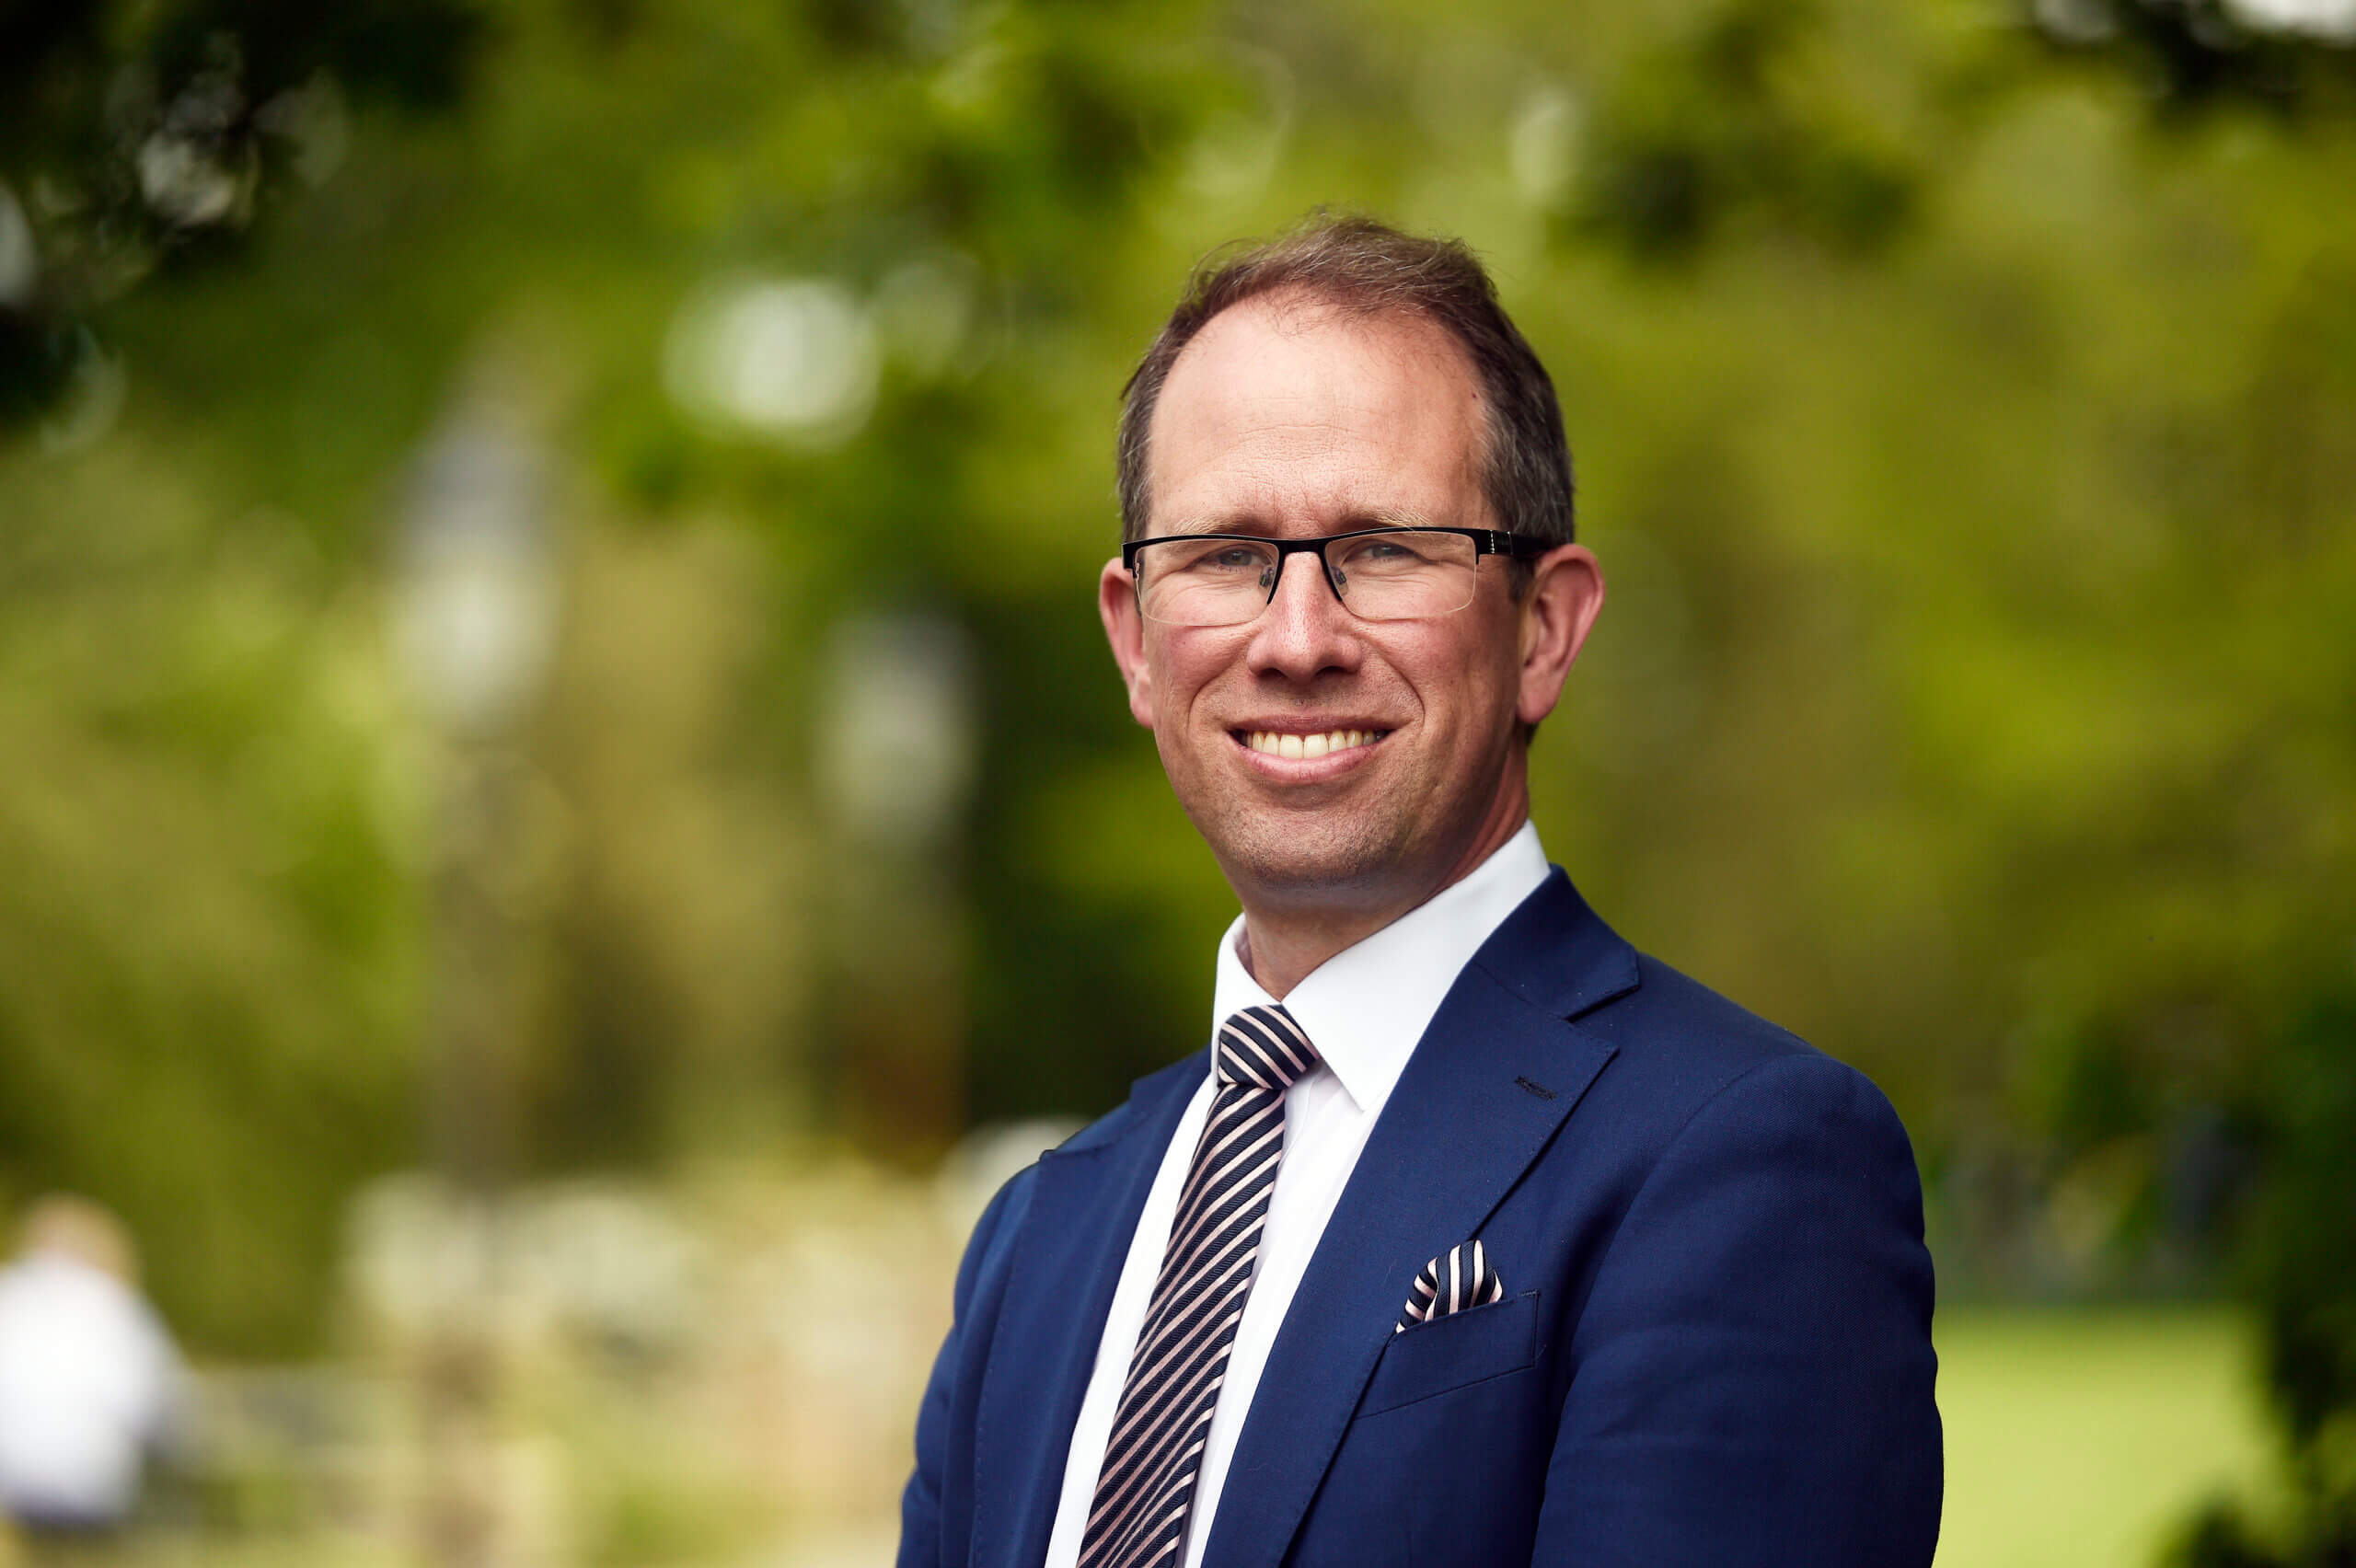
(1286, 941)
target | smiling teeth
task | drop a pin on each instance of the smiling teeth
(1308, 745)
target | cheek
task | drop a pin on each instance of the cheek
(1453, 675)
(1467, 688)
(1162, 704)
(1182, 669)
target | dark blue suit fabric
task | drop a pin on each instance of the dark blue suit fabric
(1715, 1347)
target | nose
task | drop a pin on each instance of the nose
(1305, 630)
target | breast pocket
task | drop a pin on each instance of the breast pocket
(1449, 1352)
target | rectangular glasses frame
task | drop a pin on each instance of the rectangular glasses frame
(1485, 541)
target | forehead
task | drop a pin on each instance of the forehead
(1286, 413)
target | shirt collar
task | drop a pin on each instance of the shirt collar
(1365, 1007)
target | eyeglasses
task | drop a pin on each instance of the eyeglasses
(1378, 573)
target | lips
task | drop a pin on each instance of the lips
(1292, 744)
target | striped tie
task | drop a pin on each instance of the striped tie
(1148, 1483)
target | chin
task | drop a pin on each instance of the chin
(1314, 860)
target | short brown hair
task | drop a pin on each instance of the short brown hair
(1365, 267)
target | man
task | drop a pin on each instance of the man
(1475, 1236)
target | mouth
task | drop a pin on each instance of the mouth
(1294, 745)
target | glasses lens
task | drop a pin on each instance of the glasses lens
(1404, 573)
(1204, 582)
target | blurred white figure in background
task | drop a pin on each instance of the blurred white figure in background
(91, 1386)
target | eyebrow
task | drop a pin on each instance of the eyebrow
(1252, 527)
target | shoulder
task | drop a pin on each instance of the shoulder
(1669, 1015)
(1107, 1136)
(1716, 1101)
(1148, 1097)
(1690, 1063)
(1687, 1042)
(1674, 1047)
(1558, 957)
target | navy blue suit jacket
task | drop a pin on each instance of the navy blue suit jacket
(1714, 1348)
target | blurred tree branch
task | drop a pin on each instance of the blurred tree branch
(142, 139)
(1744, 122)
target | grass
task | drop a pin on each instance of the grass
(2081, 1438)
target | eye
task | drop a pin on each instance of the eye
(1385, 550)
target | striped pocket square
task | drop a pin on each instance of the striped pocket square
(1461, 1279)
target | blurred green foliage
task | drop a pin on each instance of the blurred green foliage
(1965, 409)
(2297, 1267)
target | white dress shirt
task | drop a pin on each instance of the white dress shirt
(1364, 1008)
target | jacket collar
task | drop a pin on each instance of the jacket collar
(1556, 954)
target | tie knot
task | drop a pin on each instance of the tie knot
(1265, 1048)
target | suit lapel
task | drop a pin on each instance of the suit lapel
(1488, 1085)
(1084, 1206)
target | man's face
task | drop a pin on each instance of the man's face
(1286, 419)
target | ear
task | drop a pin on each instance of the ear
(1564, 597)
(1116, 600)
